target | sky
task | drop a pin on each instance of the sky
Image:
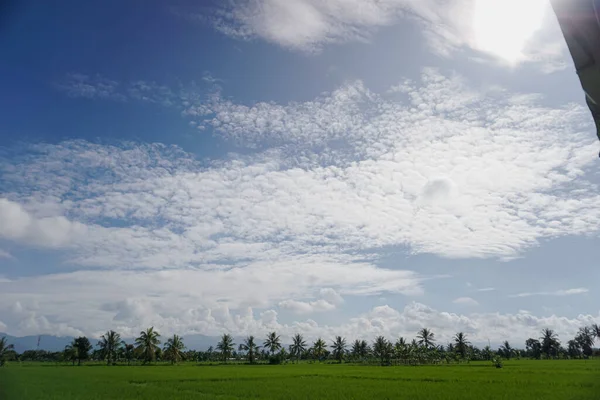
(323, 167)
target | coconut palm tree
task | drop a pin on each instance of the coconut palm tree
(109, 345)
(550, 343)
(355, 350)
(173, 349)
(5, 349)
(401, 348)
(461, 342)
(272, 343)
(128, 352)
(382, 349)
(506, 350)
(573, 348)
(426, 337)
(225, 346)
(534, 347)
(364, 349)
(339, 348)
(596, 330)
(250, 347)
(585, 339)
(298, 346)
(70, 352)
(147, 344)
(318, 348)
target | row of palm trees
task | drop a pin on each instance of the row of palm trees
(422, 349)
(111, 348)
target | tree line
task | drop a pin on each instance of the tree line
(423, 349)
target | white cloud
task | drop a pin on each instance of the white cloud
(487, 289)
(301, 307)
(448, 27)
(360, 170)
(567, 292)
(466, 301)
(17, 224)
(81, 85)
(177, 313)
(196, 246)
(331, 296)
(329, 301)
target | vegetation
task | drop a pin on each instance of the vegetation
(109, 345)
(272, 343)
(147, 344)
(443, 371)
(518, 379)
(225, 346)
(339, 348)
(5, 350)
(298, 347)
(173, 350)
(251, 348)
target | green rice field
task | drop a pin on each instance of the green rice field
(518, 380)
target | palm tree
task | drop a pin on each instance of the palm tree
(147, 344)
(506, 350)
(250, 347)
(401, 348)
(272, 343)
(382, 349)
(225, 346)
(5, 349)
(550, 343)
(534, 347)
(109, 345)
(339, 348)
(573, 348)
(461, 344)
(585, 339)
(173, 349)
(426, 337)
(596, 330)
(364, 349)
(70, 352)
(298, 346)
(319, 348)
(129, 351)
(355, 351)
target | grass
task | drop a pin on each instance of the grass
(523, 379)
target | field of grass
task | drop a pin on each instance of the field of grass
(518, 380)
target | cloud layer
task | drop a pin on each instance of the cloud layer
(296, 224)
(447, 27)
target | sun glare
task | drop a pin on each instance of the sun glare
(502, 27)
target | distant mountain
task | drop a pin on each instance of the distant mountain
(54, 343)
(47, 342)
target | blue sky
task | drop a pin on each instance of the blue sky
(349, 167)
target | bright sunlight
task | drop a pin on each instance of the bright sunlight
(503, 27)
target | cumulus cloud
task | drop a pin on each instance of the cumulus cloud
(17, 224)
(178, 314)
(302, 307)
(566, 292)
(466, 301)
(329, 301)
(447, 27)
